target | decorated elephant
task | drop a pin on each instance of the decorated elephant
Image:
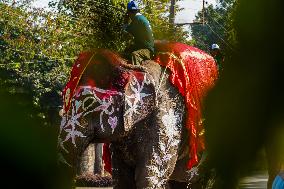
(150, 114)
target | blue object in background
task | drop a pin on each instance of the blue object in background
(278, 182)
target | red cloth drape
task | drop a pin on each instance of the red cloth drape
(193, 72)
(107, 158)
(77, 71)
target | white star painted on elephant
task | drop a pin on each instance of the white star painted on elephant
(69, 124)
(72, 133)
(132, 108)
(138, 95)
(73, 121)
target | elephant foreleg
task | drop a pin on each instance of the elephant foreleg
(98, 164)
(159, 153)
(122, 174)
(155, 168)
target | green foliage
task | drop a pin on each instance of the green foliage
(101, 21)
(162, 29)
(34, 45)
(217, 28)
(232, 33)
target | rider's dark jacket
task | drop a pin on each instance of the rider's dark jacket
(141, 30)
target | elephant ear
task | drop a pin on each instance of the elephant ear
(139, 98)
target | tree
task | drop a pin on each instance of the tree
(35, 50)
(217, 27)
(102, 21)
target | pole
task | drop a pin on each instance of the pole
(172, 15)
(172, 12)
(203, 12)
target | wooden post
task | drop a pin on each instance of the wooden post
(172, 15)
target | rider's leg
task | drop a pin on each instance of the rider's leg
(139, 56)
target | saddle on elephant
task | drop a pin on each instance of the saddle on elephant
(192, 71)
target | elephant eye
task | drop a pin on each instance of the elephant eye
(88, 102)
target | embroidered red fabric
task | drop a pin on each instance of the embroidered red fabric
(193, 72)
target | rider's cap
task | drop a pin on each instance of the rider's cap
(132, 6)
(215, 46)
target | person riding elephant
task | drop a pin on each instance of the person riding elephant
(140, 112)
(215, 51)
(140, 29)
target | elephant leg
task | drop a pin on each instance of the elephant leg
(159, 151)
(98, 167)
(87, 161)
(71, 158)
(154, 169)
(179, 185)
(72, 148)
(122, 174)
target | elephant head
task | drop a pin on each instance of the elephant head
(113, 111)
(110, 98)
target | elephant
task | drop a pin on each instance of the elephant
(138, 111)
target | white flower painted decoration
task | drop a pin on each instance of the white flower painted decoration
(69, 124)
